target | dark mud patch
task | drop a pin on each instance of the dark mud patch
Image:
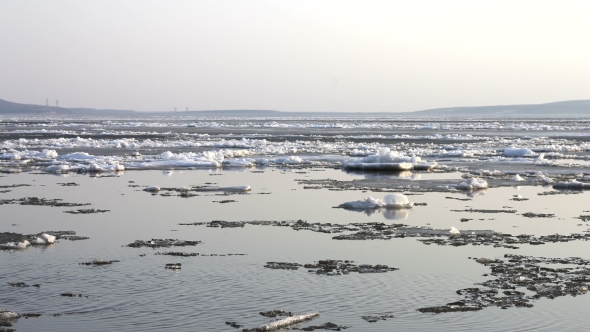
(376, 318)
(178, 254)
(559, 192)
(68, 184)
(499, 240)
(226, 201)
(41, 202)
(86, 211)
(326, 326)
(275, 313)
(14, 186)
(516, 274)
(76, 295)
(382, 231)
(23, 284)
(332, 267)
(159, 243)
(235, 325)
(538, 215)
(583, 217)
(99, 262)
(484, 211)
(459, 199)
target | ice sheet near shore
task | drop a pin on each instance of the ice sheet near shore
(116, 143)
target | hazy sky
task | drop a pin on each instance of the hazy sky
(353, 56)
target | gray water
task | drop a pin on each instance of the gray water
(137, 293)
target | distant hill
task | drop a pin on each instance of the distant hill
(7, 107)
(573, 108)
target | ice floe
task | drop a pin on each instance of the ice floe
(473, 184)
(573, 184)
(391, 201)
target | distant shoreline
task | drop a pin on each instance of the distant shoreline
(562, 109)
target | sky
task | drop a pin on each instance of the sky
(328, 56)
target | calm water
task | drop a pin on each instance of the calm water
(139, 294)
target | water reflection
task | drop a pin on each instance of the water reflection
(389, 214)
(396, 214)
(475, 193)
(404, 175)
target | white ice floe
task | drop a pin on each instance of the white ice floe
(57, 169)
(105, 167)
(287, 321)
(473, 184)
(43, 239)
(77, 156)
(573, 184)
(8, 315)
(454, 231)
(517, 178)
(29, 154)
(517, 152)
(391, 201)
(386, 160)
(23, 245)
(153, 189)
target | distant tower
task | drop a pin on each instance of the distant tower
(56, 103)
(187, 109)
(174, 109)
(46, 102)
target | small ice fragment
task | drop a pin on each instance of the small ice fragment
(153, 189)
(49, 239)
(286, 322)
(23, 245)
(454, 231)
(6, 315)
(38, 240)
(516, 178)
(473, 184)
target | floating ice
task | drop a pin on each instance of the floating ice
(473, 184)
(285, 322)
(379, 166)
(99, 168)
(369, 203)
(517, 178)
(23, 245)
(153, 189)
(43, 239)
(27, 154)
(77, 156)
(384, 160)
(391, 201)
(7, 315)
(454, 231)
(57, 169)
(573, 184)
(517, 152)
(396, 201)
